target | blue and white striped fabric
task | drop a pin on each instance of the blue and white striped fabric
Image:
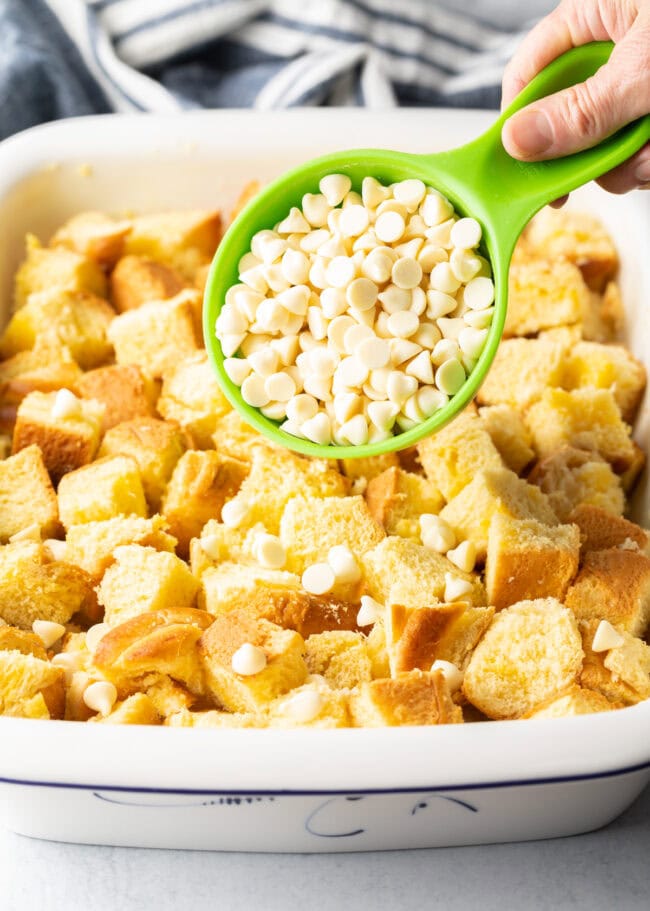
(170, 55)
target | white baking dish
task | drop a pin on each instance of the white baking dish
(300, 790)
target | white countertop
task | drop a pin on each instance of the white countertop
(599, 871)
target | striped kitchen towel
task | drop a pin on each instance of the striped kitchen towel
(66, 57)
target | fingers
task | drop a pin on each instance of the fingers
(631, 175)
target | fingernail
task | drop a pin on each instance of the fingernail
(531, 132)
(642, 174)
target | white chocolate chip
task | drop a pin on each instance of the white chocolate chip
(450, 376)
(403, 324)
(479, 319)
(606, 637)
(353, 221)
(56, 550)
(248, 660)
(431, 400)
(355, 431)
(435, 208)
(409, 192)
(303, 707)
(374, 193)
(253, 391)
(400, 387)
(479, 293)
(472, 341)
(389, 226)
(318, 579)
(269, 551)
(443, 279)
(401, 350)
(294, 223)
(394, 299)
(66, 405)
(369, 612)
(344, 564)
(361, 293)
(318, 429)
(340, 271)
(346, 405)
(466, 233)
(334, 188)
(455, 588)
(374, 353)
(315, 208)
(383, 414)
(436, 534)
(334, 301)
(439, 304)
(463, 556)
(453, 676)
(237, 369)
(95, 634)
(421, 367)
(233, 513)
(406, 273)
(100, 696)
(48, 631)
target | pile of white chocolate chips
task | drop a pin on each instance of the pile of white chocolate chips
(359, 315)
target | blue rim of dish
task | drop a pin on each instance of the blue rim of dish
(488, 785)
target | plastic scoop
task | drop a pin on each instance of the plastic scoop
(480, 179)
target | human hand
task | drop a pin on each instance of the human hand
(582, 115)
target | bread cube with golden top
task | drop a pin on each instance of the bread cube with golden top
(135, 709)
(200, 484)
(27, 496)
(492, 491)
(235, 583)
(192, 397)
(509, 434)
(91, 545)
(532, 651)
(368, 468)
(12, 638)
(413, 697)
(543, 293)
(136, 280)
(183, 240)
(105, 489)
(522, 370)
(143, 579)
(607, 367)
(294, 608)
(613, 585)
(600, 530)
(341, 657)
(215, 718)
(124, 391)
(621, 673)
(452, 456)
(155, 446)
(94, 235)
(282, 669)
(30, 687)
(312, 705)
(570, 477)
(397, 498)
(66, 442)
(170, 696)
(235, 437)
(575, 701)
(44, 269)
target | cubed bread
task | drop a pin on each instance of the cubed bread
(158, 334)
(199, 486)
(509, 434)
(570, 477)
(584, 418)
(156, 446)
(12, 638)
(340, 656)
(66, 443)
(600, 530)
(227, 584)
(220, 544)
(521, 370)
(396, 499)
(527, 559)
(452, 456)
(277, 475)
(416, 697)
(136, 280)
(93, 235)
(610, 367)
(104, 489)
(578, 238)
(531, 652)
(144, 579)
(312, 705)
(630, 475)
(235, 437)
(26, 495)
(92, 544)
(369, 468)
(284, 668)
(299, 610)
(214, 718)
(124, 391)
(603, 318)
(169, 696)
(400, 571)
(182, 240)
(44, 269)
(192, 397)
(134, 654)
(23, 679)
(621, 674)
(495, 490)
(135, 709)
(80, 320)
(543, 293)
(613, 585)
(575, 701)
(31, 588)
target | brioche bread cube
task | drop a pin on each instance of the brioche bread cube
(531, 652)
(124, 391)
(578, 238)
(600, 530)
(400, 571)
(155, 446)
(199, 486)
(621, 674)
(630, 663)
(509, 434)
(135, 709)
(80, 321)
(409, 698)
(299, 610)
(44, 269)
(584, 418)
(284, 670)
(213, 718)
(452, 456)
(105, 489)
(521, 371)
(65, 443)
(607, 367)
(159, 643)
(23, 678)
(144, 579)
(26, 495)
(340, 656)
(157, 335)
(136, 280)
(542, 294)
(416, 637)
(192, 397)
(91, 545)
(13, 639)
(330, 708)
(231, 584)
(235, 437)
(613, 585)
(182, 240)
(168, 695)
(396, 499)
(368, 468)
(220, 544)
(277, 475)
(492, 491)
(630, 475)
(31, 588)
(603, 318)
(570, 477)
(94, 235)
(528, 560)
(575, 701)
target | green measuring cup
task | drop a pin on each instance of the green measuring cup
(480, 179)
